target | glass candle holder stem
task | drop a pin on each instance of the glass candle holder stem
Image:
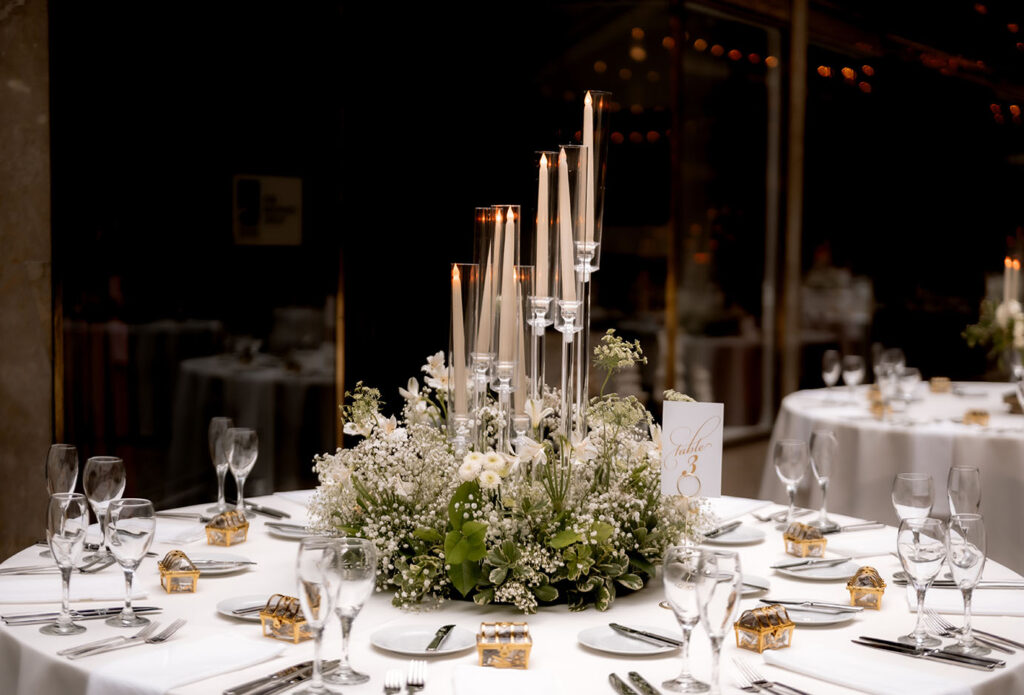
(481, 366)
(568, 312)
(504, 372)
(539, 321)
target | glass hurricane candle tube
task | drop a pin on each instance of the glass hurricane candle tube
(507, 313)
(524, 284)
(481, 358)
(596, 136)
(465, 278)
(545, 261)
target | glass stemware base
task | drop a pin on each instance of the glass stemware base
(58, 629)
(971, 649)
(347, 677)
(219, 508)
(824, 525)
(688, 684)
(911, 639)
(119, 620)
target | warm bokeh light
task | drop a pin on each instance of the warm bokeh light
(617, 138)
(600, 67)
(864, 87)
(637, 33)
(994, 108)
(615, 106)
(653, 136)
(717, 50)
(701, 257)
(824, 71)
(1014, 28)
(771, 61)
(625, 73)
(980, 8)
(636, 109)
(735, 55)
(1014, 109)
(999, 118)
(849, 73)
(638, 53)
(668, 42)
(867, 70)
(636, 138)
(754, 58)
(653, 76)
(700, 44)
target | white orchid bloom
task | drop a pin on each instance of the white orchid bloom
(489, 480)
(435, 365)
(583, 449)
(438, 381)
(531, 450)
(537, 412)
(412, 390)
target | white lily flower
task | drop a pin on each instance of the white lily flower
(412, 390)
(435, 365)
(389, 426)
(438, 381)
(583, 449)
(537, 412)
(363, 430)
(531, 450)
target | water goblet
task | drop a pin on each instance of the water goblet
(679, 575)
(790, 458)
(315, 559)
(853, 374)
(824, 448)
(719, 584)
(218, 441)
(912, 495)
(67, 518)
(351, 578)
(963, 488)
(130, 526)
(908, 381)
(103, 481)
(242, 448)
(965, 549)
(830, 370)
(61, 472)
(921, 545)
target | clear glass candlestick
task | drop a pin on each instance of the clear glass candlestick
(504, 373)
(461, 335)
(567, 326)
(481, 364)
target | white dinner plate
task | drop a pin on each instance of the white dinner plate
(289, 533)
(752, 584)
(741, 535)
(412, 640)
(812, 618)
(605, 639)
(236, 602)
(821, 574)
(218, 557)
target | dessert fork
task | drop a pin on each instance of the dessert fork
(393, 682)
(415, 679)
(155, 639)
(754, 679)
(943, 627)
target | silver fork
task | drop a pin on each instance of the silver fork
(415, 679)
(393, 682)
(89, 646)
(757, 681)
(779, 517)
(96, 564)
(943, 627)
(155, 639)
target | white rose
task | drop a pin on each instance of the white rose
(469, 470)
(489, 480)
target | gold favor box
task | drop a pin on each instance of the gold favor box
(866, 588)
(229, 528)
(177, 573)
(940, 384)
(767, 627)
(504, 645)
(282, 619)
(804, 541)
(975, 416)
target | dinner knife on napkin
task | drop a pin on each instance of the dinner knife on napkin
(864, 526)
(86, 614)
(723, 529)
(272, 678)
(439, 637)
(644, 636)
(980, 662)
(821, 606)
(619, 685)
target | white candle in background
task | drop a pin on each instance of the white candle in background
(507, 326)
(458, 356)
(541, 279)
(588, 143)
(520, 392)
(1016, 280)
(566, 250)
(1006, 279)
(483, 329)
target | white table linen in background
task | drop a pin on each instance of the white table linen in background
(473, 680)
(28, 665)
(726, 508)
(983, 601)
(872, 452)
(107, 585)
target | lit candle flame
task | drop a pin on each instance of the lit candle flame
(1016, 264)
(1007, 262)
(498, 217)
(544, 161)
(587, 100)
(511, 215)
(455, 274)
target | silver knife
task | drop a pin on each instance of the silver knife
(642, 685)
(660, 640)
(723, 529)
(865, 526)
(976, 661)
(300, 677)
(42, 618)
(911, 652)
(267, 511)
(835, 607)
(284, 673)
(619, 685)
(807, 564)
(439, 637)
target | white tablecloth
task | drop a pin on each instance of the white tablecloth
(28, 665)
(872, 452)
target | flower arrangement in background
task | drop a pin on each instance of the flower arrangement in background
(577, 522)
(1000, 327)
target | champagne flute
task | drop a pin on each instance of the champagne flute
(790, 457)
(963, 488)
(242, 451)
(350, 578)
(965, 548)
(830, 370)
(130, 526)
(218, 441)
(853, 374)
(824, 448)
(103, 481)
(719, 584)
(912, 495)
(316, 557)
(67, 518)
(679, 575)
(921, 545)
(61, 472)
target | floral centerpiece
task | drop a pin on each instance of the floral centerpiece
(577, 522)
(1001, 328)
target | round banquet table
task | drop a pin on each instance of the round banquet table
(29, 666)
(872, 452)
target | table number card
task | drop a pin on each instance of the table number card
(691, 449)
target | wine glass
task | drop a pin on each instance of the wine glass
(242, 448)
(830, 370)
(921, 544)
(679, 574)
(719, 582)
(963, 488)
(912, 495)
(219, 427)
(316, 557)
(61, 472)
(103, 481)
(965, 548)
(791, 458)
(129, 533)
(853, 374)
(351, 578)
(824, 448)
(67, 518)
(908, 381)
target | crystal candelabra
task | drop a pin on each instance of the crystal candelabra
(568, 326)
(585, 254)
(480, 363)
(504, 371)
(538, 321)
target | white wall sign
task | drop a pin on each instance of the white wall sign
(267, 210)
(691, 449)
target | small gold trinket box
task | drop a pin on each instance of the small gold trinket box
(866, 588)
(880, 410)
(874, 394)
(229, 528)
(504, 645)
(177, 573)
(804, 541)
(282, 619)
(975, 416)
(940, 384)
(766, 627)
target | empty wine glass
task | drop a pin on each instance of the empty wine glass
(965, 547)
(790, 458)
(316, 557)
(912, 495)
(719, 584)
(921, 544)
(351, 578)
(217, 432)
(830, 370)
(67, 518)
(61, 472)
(103, 481)
(679, 574)
(908, 381)
(853, 374)
(824, 448)
(242, 448)
(963, 488)
(130, 526)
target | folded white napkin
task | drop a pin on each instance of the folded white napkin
(46, 588)
(726, 508)
(301, 497)
(155, 669)
(983, 602)
(176, 531)
(862, 668)
(869, 543)
(473, 680)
